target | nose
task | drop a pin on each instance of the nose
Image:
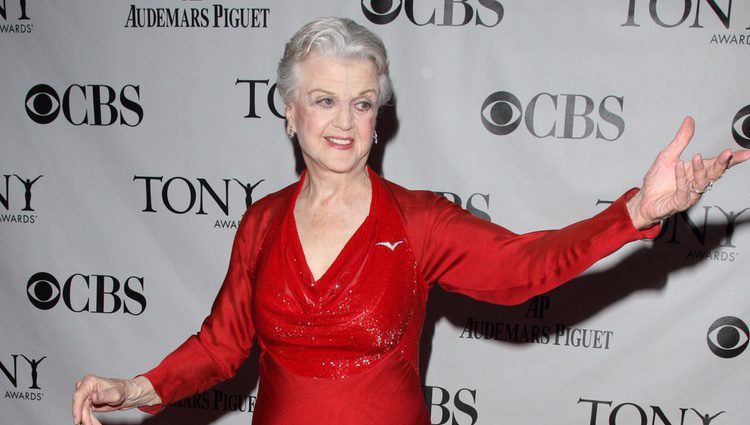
(344, 119)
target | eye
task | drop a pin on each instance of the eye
(325, 102)
(43, 290)
(363, 106)
(728, 337)
(741, 127)
(381, 11)
(42, 104)
(501, 113)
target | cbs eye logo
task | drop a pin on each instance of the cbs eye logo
(741, 127)
(43, 291)
(380, 11)
(501, 113)
(728, 337)
(42, 104)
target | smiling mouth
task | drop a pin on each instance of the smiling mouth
(339, 142)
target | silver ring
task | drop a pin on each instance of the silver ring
(704, 190)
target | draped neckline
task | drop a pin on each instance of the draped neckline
(348, 255)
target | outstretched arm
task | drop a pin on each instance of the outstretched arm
(672, 185)
(204, 359)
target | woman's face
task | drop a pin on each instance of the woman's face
(334, 113)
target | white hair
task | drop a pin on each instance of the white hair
(339, 38)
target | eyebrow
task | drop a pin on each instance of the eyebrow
(362, 93)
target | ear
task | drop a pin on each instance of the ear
(289, 113)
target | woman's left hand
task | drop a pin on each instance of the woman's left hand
(672, 185)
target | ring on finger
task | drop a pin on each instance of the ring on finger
(704, 190)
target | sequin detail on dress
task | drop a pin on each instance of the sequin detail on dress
(358, 312)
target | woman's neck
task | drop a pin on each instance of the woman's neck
(321, 188)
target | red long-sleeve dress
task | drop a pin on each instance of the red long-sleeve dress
(328, 344)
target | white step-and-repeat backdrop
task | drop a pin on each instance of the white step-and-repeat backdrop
(135, 133)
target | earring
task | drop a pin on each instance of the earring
(375, 137)
(290, 131)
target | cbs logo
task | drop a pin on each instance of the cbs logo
(91, 293)
(741, 127)
(728, 337)
(455, 13)
(91, 104)
(563, 116)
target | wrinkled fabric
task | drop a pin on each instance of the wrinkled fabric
(328, 346)
(387, 393)
(360, 310)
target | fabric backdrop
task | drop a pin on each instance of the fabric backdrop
(135, 133)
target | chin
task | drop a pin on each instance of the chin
(344, 166)
(347, 168)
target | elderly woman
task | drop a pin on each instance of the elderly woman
(331, 274)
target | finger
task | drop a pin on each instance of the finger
(739, 157)
(87, 413)
(717, 166)
(92, 420)
(700, 174)
(681, 184)
(80, 396)
(681, 139)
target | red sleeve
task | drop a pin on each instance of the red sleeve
(490, 263)
(223, 342)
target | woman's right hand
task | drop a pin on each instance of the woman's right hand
(98, 394)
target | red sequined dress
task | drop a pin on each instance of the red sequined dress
(328, 345)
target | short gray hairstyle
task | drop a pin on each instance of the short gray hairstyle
(336, 38)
